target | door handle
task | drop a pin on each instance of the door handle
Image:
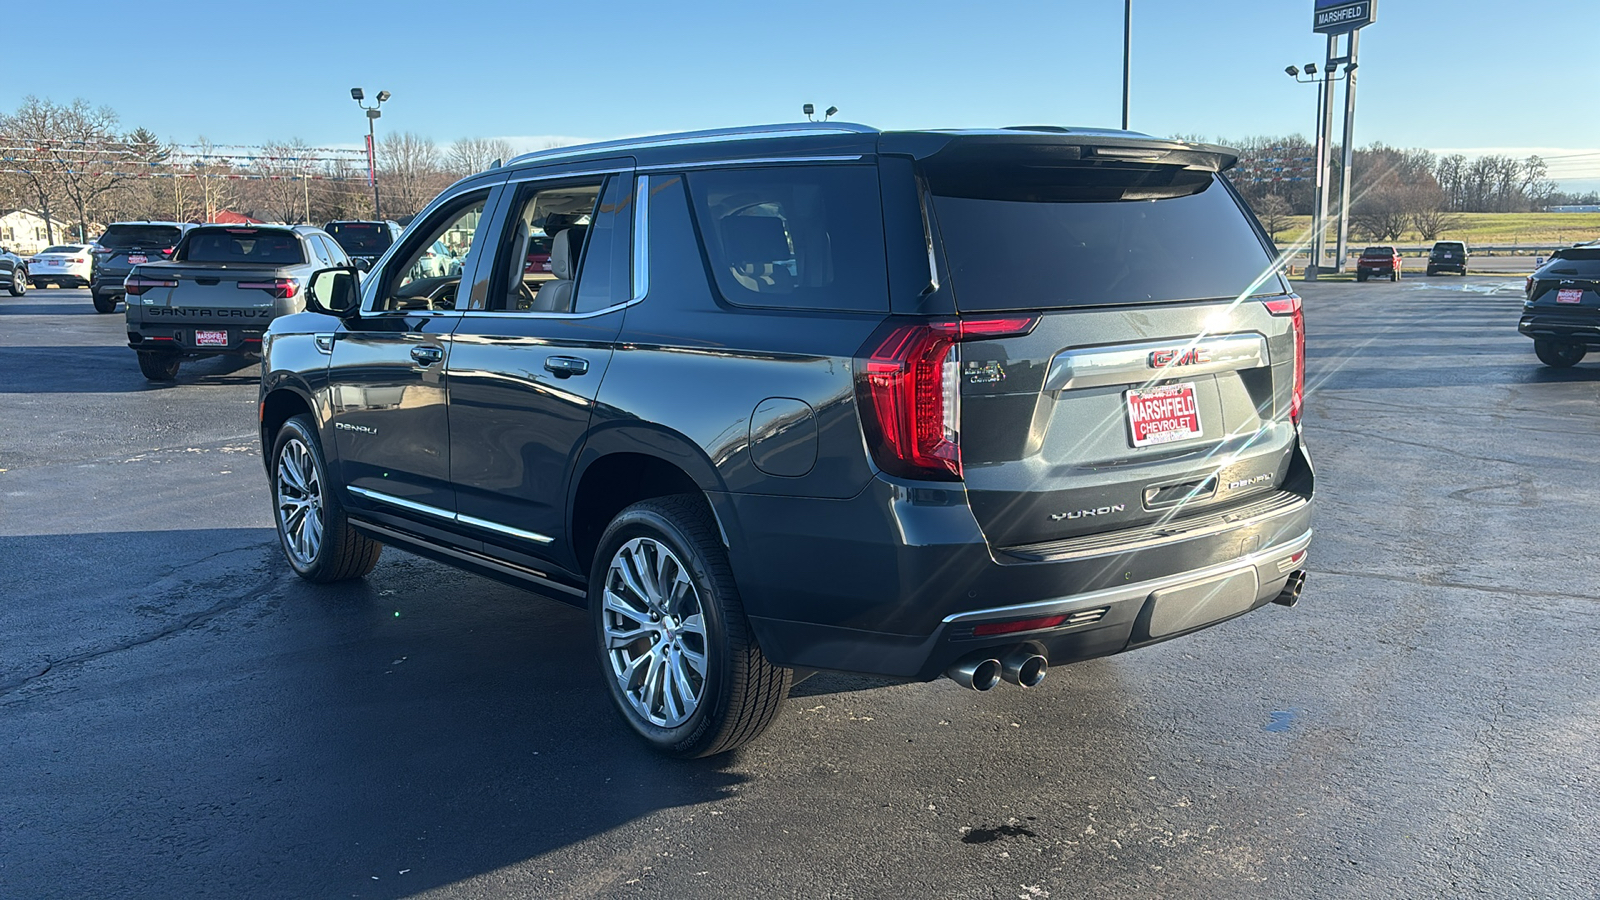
(426, 356)
(566, 366)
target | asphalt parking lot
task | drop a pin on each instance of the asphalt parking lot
(181, 716)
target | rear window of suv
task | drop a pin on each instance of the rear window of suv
(1583, 262)
(242, 245)
(361, 238)
(123, 237)
(1378, 251)
(1076, 235)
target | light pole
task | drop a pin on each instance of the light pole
(1127, 56)
(1319, 223)
(373, 113)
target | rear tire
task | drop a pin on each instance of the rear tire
(103, 303)
(676, 651)
(1432, 271)
(1558, 355)
(313, 530)
(1361, 276)
(19, 283)
(159, 366)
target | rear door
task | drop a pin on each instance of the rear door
(525, 369)
(1155, 379)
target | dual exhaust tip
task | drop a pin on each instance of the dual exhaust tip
(1023, 666)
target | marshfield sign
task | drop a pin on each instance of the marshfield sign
(1340, 16)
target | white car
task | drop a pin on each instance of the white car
(67, 265)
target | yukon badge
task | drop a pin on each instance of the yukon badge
(1085, 513)
(1177, 356)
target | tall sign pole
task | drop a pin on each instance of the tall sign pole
(1349, 146)
(1127, 56)
(1334, 18)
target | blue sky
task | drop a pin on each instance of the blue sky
(541, 71)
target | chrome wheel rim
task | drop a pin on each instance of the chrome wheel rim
(655, 632)
(299, 491)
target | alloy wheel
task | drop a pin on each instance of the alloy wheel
(299, 498)
(655, 632)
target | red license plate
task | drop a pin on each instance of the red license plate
(1569, 295)
(137, 259)
(1163, 415)
(211, 339)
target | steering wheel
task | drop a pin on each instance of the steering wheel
(525, 295)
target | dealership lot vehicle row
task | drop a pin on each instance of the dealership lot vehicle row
(184, 713)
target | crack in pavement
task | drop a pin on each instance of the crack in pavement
(1449, 450)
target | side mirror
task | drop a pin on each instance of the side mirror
(335, 292)
(362, 263)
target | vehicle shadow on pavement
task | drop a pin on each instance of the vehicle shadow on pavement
(26, 305)
(304, 740)
(108, 370)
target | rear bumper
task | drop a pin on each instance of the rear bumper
(181, 339)
(107, 283)
(894, 581)
(1566, 327)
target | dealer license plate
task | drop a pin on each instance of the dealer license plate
(1569, 295)
(137, 259)
(211, 339)
(1162, 415)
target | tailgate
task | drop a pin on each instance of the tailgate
(1087, 425)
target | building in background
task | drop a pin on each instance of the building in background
(23, 232)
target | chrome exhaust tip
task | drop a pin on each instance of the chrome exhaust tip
(1024, 668)
(1290, 595)
(978, 672)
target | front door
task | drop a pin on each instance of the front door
(525, 370)
(388, 379)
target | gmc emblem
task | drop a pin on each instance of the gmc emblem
(1161, 359)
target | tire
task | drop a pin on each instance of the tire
(739, 693)
(1361, 276)
(1432, 272)
(159, 366)
(1559, 355)
(19, 284)
(313, 530)
(103, 303)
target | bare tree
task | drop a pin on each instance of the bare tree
(410, 172)
(1430, 214)
(1274, 213)
(73, 152)
(472, 155)
(281, 188)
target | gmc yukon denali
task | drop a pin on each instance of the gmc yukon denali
(918, 404)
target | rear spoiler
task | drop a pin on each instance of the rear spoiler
(1046, 143)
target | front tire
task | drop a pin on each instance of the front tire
(1559, 355)
(159, 366)
(313, 530)
(676, 651)
(103, 303)
(19, 284)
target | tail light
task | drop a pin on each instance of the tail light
(1290, 306)
(78, 259)
(136, 285)
(281, 288)
(167, 252)
(1528, 288)
(909, 389)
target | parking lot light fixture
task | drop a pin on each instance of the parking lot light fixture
(1311, 68)
(1292, 71)
(382, 96)
(373, 113)
(357, 95)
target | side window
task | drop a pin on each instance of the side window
(545, 235)
(331, 249)
(319, 253)
(606, 279)
(794, 237)
(427, 271)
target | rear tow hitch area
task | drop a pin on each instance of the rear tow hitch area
(1290, 595)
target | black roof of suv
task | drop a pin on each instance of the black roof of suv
(923, 403)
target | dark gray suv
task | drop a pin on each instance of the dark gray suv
(815, 397)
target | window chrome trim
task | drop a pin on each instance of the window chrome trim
(558, 176)
(436, 512)
(750, 161)
(641, 238)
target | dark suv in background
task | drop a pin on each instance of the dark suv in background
(364, 241)
(815, 397)
(1562, 309)
(1448, 256)
(123, 246)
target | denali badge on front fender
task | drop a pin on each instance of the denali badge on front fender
(1083, 513)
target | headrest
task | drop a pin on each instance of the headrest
(565, 249)
(755, 239)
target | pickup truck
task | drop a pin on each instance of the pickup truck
(220, 288)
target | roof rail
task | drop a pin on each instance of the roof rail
(751, 132)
